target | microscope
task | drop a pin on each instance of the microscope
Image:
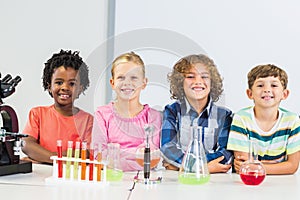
(10, 138)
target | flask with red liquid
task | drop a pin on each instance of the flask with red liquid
(252, 171)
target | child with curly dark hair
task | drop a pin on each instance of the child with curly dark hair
(65, 77)
(196, 85)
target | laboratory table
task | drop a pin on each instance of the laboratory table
(221, 186)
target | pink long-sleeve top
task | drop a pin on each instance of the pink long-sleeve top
(109, 127)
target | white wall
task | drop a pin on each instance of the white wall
(237, 34)
(32, 30)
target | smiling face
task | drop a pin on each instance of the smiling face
(267, 92)
(128, 81)
(197, 84)
(65, 86)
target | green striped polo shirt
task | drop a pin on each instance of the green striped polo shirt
(272, 146)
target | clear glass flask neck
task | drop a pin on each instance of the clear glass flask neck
(252, 171)
(253, 155)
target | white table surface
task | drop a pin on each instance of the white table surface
(221, 186)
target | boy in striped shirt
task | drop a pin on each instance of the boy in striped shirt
(276, 130)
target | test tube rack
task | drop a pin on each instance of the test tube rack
(55, 180)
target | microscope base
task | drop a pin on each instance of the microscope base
(21, 167)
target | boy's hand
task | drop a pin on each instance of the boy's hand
(29, 159)
(238, 161)
(169, 166)
(215, 166)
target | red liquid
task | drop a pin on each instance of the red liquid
(91, 165)
(252, 178)
(153, 162)
(59, 162)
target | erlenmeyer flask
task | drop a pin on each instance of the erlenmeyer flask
(252, 172)
(194, 168)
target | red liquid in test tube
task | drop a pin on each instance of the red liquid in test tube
(91, 165)
(59, 155)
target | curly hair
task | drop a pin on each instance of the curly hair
(184, 65)
(263, 71)
(66, 58)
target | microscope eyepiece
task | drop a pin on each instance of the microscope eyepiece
(6, 78)
(8, 85)
(14, 82)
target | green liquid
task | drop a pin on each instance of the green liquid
(76, 164)
(114, 175)
(68, 163)
(191, 179)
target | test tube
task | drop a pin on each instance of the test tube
(83, 157)
(91, 165)
(99, 166)
(68, 163)
(76, 156)
(59, 155)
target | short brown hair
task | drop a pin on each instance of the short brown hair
(263, 71)
(184, 65)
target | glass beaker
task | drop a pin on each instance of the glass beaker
(252, 171)
(114, 171)
(194, 169)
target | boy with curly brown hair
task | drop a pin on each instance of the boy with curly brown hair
(196, 85)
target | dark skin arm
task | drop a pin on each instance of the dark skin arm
(36, 152)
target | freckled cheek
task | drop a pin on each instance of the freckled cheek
(118, 84)
(185, 82)
(208, 84)
(138, 84)
(185, 88)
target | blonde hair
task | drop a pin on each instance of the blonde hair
(184, 65)
(263, 71)
(127, 57)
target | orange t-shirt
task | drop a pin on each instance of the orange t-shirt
(47, 126)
